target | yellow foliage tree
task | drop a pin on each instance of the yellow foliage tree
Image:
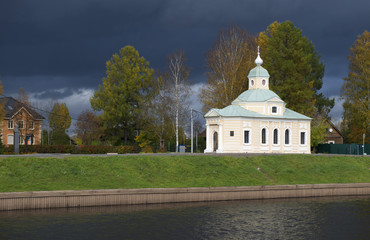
(229, 61)
(356, 92)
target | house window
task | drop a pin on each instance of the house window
(10, 124)
(30, 124)
(10, 139)
(263, 137)
(303, 138)
(231, 133)
(287, 133)
(274, 109)
(21, 139)
(246, 136)
(276, 136)
(20, 124)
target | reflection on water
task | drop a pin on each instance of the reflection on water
(313, 218)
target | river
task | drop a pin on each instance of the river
(310, 218)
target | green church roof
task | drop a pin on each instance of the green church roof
(238, 111)
(258, 72)
(257, 95)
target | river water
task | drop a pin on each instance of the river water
(311, 218)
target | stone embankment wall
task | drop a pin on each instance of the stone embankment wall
(85, 198)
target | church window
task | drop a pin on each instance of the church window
(274, 109)
(246, 136)
(263, 140)
(252, 83)
(287, 136)
(276, 136)
(303, 138)
(263, 82)
(231, 133)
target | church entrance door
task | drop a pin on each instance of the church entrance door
(215, 141)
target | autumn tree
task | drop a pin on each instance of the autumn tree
(170, 106)
(162, 126)
(88, 127)
(356, 91)
(177, 76)
(125, 95)
(59, 122)
(2, 114)
(2, 110)
(295, 68)
(23, 96)
(228, 61)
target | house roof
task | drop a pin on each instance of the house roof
(257, 95)
(238, 111)
(12, 106)
(333, 126)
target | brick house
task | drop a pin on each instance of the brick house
(333, 135)
(28, 120)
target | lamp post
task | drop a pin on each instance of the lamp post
(363, 144)
(191, 129)
(16, 138)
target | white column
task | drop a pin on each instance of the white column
(220, 143)
(208, 140)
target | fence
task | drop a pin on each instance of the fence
(353, 148)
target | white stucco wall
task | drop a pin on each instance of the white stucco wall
(235, 144)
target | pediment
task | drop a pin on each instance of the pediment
(212, 113)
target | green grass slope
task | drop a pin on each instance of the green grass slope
(143, 171)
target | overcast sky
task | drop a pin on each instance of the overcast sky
(58, 49)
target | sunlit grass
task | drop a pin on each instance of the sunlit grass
(143, 171)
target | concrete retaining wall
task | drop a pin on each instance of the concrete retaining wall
(84, 198)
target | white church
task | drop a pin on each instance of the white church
(257, 122)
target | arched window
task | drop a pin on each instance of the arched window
(276, 137)
(263, 136)
(287, 136)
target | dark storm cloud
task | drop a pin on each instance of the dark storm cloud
(50, 45)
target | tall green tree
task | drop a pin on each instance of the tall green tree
(356, 91)
(295, 68)
(125, 95)
(296, 73)
(59, 122)
(228, 61)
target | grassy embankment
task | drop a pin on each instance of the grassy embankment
(81, 172)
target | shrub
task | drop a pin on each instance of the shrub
(127, 149)
(83, 149)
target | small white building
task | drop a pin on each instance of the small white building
(257, 122)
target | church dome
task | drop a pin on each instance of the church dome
(258, 72)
